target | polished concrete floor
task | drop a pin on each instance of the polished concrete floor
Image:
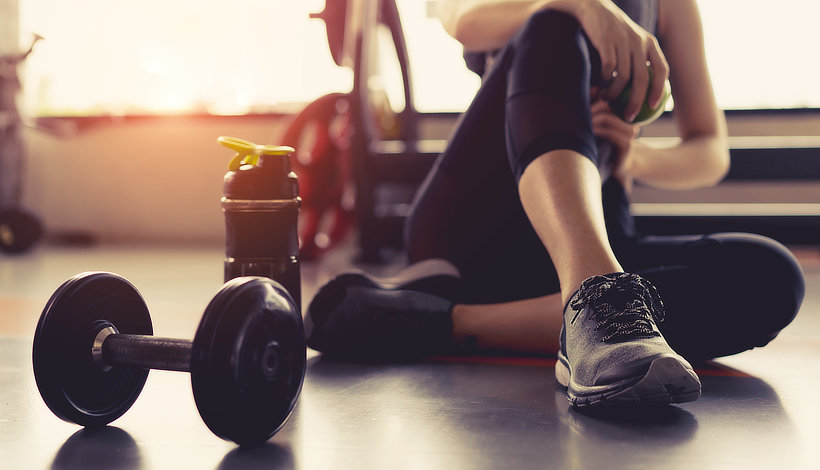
(759, 410)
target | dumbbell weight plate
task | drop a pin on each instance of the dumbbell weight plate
(19, 230)
(248, 360)
(73, 386)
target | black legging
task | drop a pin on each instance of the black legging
(724, 293)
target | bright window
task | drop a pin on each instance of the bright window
(239, 56)
(761, 54)
(175, 56)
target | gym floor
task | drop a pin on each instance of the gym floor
(759, 409)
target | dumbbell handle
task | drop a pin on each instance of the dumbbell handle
(147, 352)
(111, 349)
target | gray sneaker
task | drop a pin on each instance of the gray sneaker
(611, 350)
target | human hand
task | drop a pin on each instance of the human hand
(625, 49)
(607, 125)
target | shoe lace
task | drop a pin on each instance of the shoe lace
(624, 305)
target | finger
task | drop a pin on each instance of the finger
(660, 73)
(609, 62)
(640, 82)
(595, 93)
(613, 129)
(613, 137)
(606, 118)
(606, 133)
(600, 106)
(601, 117)
(629, 131)
(621, 74)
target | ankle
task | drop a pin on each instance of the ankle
(574, 282)
(461, 322)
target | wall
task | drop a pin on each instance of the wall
(9, 27)
(137, 179)
(159, 179)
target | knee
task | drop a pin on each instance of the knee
(552, 32)
(766, 280)
(549, 21)
(551, 56)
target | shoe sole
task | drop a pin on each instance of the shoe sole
(413, 273)
(668, 380)
(333, 293)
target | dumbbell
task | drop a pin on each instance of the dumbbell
(93, 348)
(19, 230)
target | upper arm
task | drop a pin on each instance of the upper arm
(484, 25)
(681, 36)
(447, 12)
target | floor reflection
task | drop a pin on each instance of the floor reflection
(484, 415)
(269, 456)
(101, 448)
(616, 437)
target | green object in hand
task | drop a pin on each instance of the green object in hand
(647, 113)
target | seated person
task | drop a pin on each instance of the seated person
(521, 237)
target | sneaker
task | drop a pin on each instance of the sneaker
(612, 351)
(357, 317)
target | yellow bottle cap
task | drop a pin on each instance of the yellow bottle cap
(247, 153)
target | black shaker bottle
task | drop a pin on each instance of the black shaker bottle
(261, 205)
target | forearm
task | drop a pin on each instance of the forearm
(695, 162)
(485, 25)
(701, 157)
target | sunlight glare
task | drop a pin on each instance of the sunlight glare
(257, 56)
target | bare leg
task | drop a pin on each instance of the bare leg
(530, 325)
(561, 194)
